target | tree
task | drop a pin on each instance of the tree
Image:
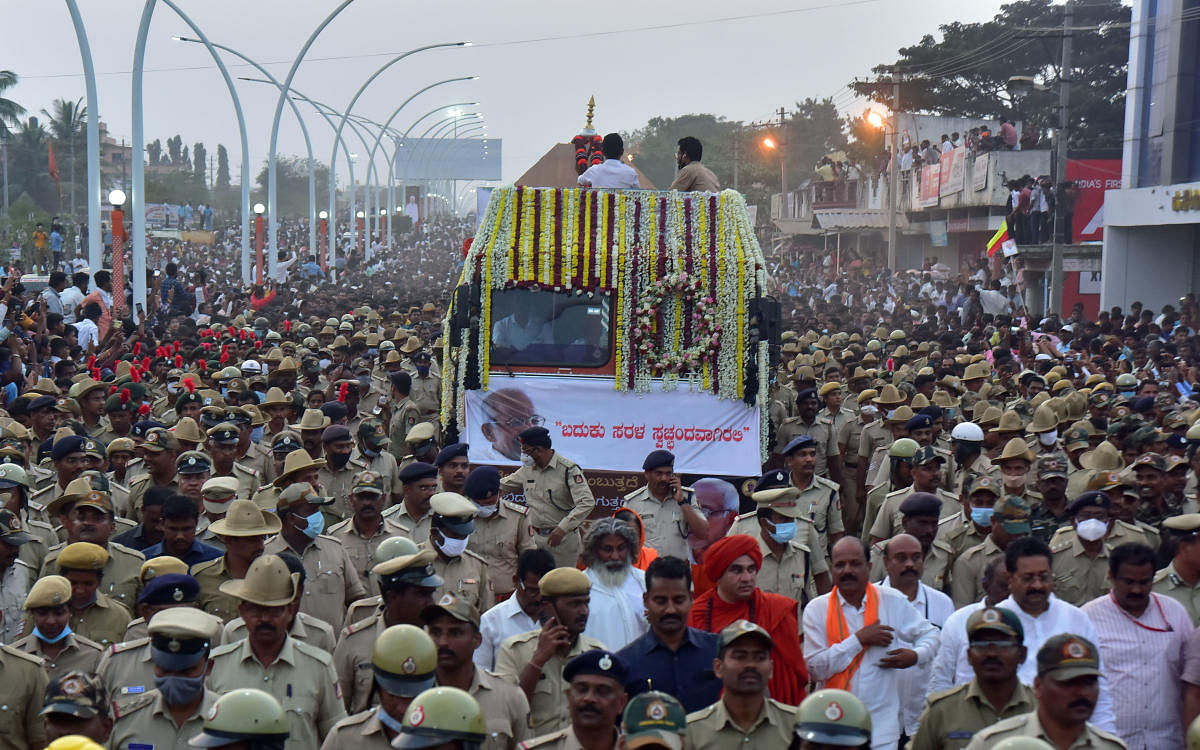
(966, 73)
(291, 174)
(66, 122)
(200, 162)
(187, 160)
(10, 111)
(175, 150)
(222, 168)
(28, 165)
(154, 152)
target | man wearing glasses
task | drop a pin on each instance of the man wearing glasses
(995, 649)
(509, 411)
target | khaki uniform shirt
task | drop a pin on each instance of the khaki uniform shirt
(78, 654)
(360, 731)
(384, 465)
(821, 430)
(336, 483)
(18, 578)
(966, 578)
(505, 709)
(22, 688)
(331, 581)
(696, 177)
(1027, 725)
(960, 532)
(144, 720)
(248, 479)
(361, 549)
(850, 435)
(890, 521)
(416, 529)
(666, 528)
(426, 393)
(127, 669)
(711, 728)
(558, 496)
(44, 536)
(103, 621)
(563, 739)
(1169, 583)
(548, 707)
(839, 422)
(952, 717)
(464, 576)
(405, 416)
(352, 660)
(822, 498)
(1078, 578)
(873, 437)
(137, 490)
(301, 679)
(210, 575)
(500, 539)
(305, 628)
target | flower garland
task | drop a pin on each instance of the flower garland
(705, 330)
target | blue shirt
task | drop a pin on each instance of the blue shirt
(686, 674)
(199, 552)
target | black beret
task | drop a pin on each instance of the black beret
(482, 482)
(772, 480)
(335, 410)
(597, 662)
(449, 453)
(807, 393)
(67, 445)
(335, 432)
(537, 437)
(169, 588)
(417, 470)
(42, 402)
(798, 442)
(140, 429)
(1090, 499)
(658, 459)
(1143, 404)
(933, 411)
(921, 504)
(919, 422)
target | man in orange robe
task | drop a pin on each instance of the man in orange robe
(733, 563)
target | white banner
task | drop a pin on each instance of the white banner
(599, 428)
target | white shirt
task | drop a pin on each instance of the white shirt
(70, 297)
(1061, 617)
(1144, 667)
(935, 607)
(617, 616)
(88, 334)
(610, 173)
(509, 333)
(950, 668)
(505, 619)
(876, 686)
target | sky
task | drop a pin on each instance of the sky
(538, 61)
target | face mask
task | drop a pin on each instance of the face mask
(178, 691)
(964, 451)
(224, 392)
(364, 379)
(527, 460)
(323, 363)
(338, 460)
(784, 532)
(487, 511)
(316, 524)
(422, 370)
(369, 453)
(452, 547)
(372, 352)
(889, 413)
(173, 388)
(386, 719)
(256, 434)
(981, 517)
(1048, 438)
(1091, 530)
(65, 632)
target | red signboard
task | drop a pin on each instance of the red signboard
(1092, 177)
(930, 184)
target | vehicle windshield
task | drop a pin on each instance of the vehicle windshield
(549, 329)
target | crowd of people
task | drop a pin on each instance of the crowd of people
(240, 522)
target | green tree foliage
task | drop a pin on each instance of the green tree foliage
(154, 152)
(291, 187)
(28, 165)
(66, 122)
(200, 161)
(966, 73)
(171, 186)
(222, 168)
(10, 111)
(175, 150)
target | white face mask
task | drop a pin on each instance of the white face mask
(487, 511)
(1091, 530)
(1048, 438)
(452, 547)
(526, 460)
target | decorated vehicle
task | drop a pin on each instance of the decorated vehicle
(621, 320)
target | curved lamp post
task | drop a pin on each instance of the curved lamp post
(95, 249)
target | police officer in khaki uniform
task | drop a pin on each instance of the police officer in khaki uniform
(94, 614)
(361, 533)
(30, 521)
(919, 518)
(534, 661)
(90, 515)
(742, 668)
(180, 642)
(298, 675)
(1062, 658)
(1180, 580)
(819, 497)
(160, 449)
(332, 582)
(419, 482)
(372, 452)
(223, 447)
(453, 624)
(668, 509)
(927, 466)
(820, 429)
(48, 605)
(420, 444)
(463, 573)
(952, 717)
(407, 583)
(1080, 563)
(16, 578)
(601, 675)
(22, 689)
(971, 526)
(243, 531)
(556, 492)
(502, 530)
(1010, 519)
(401, 667)
(175, 588)
(337, 475)
(405, 414)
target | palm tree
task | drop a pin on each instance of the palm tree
(9, 112)
(66, 125)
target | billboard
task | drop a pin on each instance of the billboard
(601, 428)
(1091, 177)
(448, 158)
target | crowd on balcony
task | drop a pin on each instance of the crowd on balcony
(1031, 209)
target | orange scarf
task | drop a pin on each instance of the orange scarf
(837, 631)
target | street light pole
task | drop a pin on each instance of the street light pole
(893, 174)
(95, 248)
(1059, 171)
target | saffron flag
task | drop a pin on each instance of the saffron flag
(53, 167)
(1001, 240)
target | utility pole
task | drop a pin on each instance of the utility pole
(893, 173)
(783, 142)
(1058, 171)
(737, 153)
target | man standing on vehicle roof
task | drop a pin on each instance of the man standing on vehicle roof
(612, 172)
(558, 496)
